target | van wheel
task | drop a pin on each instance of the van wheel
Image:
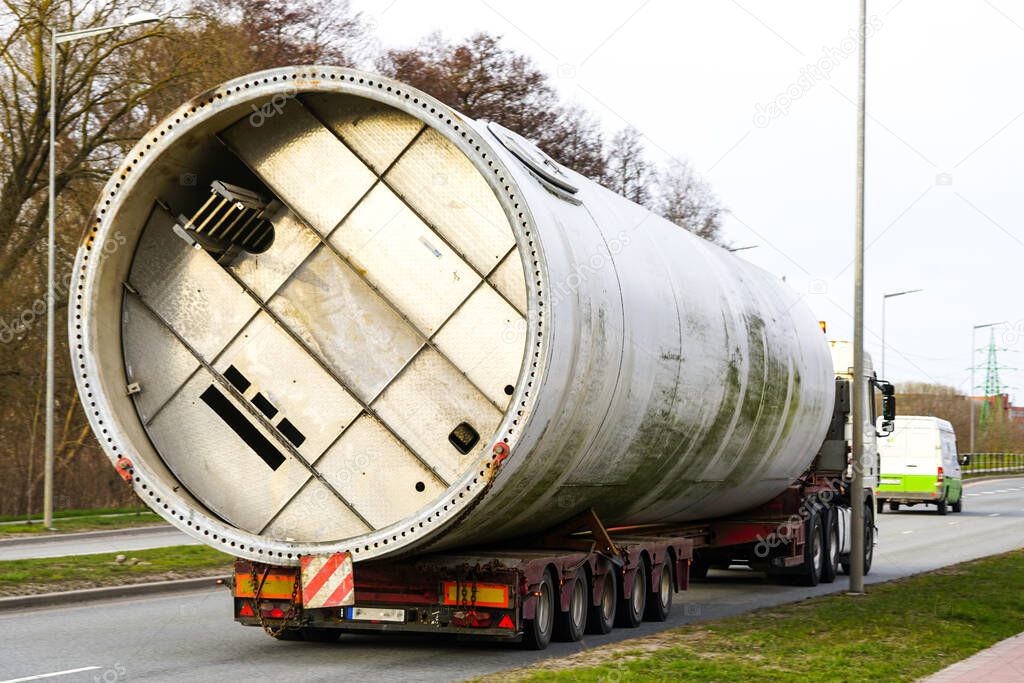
(659, 600)
(814, 552)
(537, 631)
(943, 507)
(633, 605)
(601, 617)
(831, 550)
(959, 505)
(894, 507)
(569, 624)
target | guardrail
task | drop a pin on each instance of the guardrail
(993, 463)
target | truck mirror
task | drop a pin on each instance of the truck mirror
(888, 407)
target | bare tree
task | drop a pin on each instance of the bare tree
(627, 170)
(110, 89)
(688, 201)
(485, 80)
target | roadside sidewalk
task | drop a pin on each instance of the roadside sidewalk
(1001, 663)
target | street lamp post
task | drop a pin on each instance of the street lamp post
(884, 298)
(970, 391)
(56, 38)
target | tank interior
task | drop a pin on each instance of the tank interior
(323, 321)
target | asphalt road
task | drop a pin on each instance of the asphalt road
(191, 637)
(91, 542)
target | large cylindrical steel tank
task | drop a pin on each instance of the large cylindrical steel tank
(313, 303)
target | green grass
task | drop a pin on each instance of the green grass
(78, 571)
(899, 631)
(80, 520)
(78, 512)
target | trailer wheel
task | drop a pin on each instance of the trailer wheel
(943, 507)
(894, 507)
(831, 550)
(879, 506)
(569, 624)
(537, 631)
(659, 600)
(601, 617)
(959, 505)
(632, 606)
(814, 552)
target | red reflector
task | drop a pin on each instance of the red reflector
(276, 613)
(505, 622)
(246, 610)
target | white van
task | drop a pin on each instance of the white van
(919, 465)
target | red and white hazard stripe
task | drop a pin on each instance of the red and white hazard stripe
(327, 581)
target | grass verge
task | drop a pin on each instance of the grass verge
(80, 520)
(900, 631)
(46, 575)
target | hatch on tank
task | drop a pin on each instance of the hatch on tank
(319, 346)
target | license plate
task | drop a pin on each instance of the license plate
(891, 482)
(374, 614)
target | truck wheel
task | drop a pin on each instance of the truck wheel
(601, 617)
(943, 507)
(959, 505)
(537, 631)
(632, 606)
(869, 541)
(569, 624)
(894, 507)
(831, 551)
(659, 600)
(879, 506)
(814, 553)
(869, 538)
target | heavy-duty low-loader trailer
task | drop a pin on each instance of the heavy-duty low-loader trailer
(580, 577)
(381, 353)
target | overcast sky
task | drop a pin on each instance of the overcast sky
(760, 98)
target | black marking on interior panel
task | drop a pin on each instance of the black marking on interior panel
(237, 379)
(290, 432)
(265, 406)
(245, 430)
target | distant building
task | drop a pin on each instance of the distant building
(1001, 403)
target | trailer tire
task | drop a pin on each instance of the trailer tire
(659, 600)
(537, 632)
(879, 506)
(959, 505)
(570, 624)
(830, 552)
(601, 617)
(943, 507)
(814, 552)
(894, 507)
(632, 606)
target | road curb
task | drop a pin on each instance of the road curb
(991, 477)
(82, 535)
(86, 595)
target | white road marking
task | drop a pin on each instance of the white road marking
(909, 531)
(952, 523)
(1002, 491)
(50, 675)
(973, 494)
(988, 493)
(994, 514)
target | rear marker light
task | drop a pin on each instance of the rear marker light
(246, 610)
(506, 622)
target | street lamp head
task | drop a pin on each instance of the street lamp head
(141, 18)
